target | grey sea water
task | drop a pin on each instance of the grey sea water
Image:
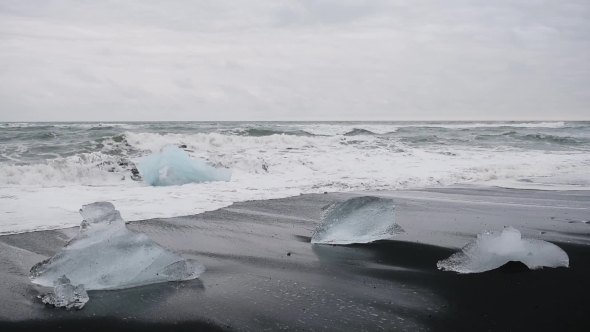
(26, 143)
(54, 168)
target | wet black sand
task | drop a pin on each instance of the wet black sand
(263, 274)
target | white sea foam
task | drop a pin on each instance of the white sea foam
(577, 180)
(48, 195)
(82, 169)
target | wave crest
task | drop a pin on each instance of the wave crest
(85, 168)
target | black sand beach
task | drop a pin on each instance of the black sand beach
(264, 275)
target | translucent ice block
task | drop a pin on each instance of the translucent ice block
(66, 295)
(173, 166)
(357, 220)
(493, 249)
(106, 255)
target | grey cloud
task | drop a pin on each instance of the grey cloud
(294, 60)
(82, 75)
(233, 65)
(328, 11)
(185, 83)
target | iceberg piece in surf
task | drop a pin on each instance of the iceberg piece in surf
(106, 255)
(357, 220)
(493, 249)
(173, 166)
(66, 295)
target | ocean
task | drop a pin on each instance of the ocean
(49, 170)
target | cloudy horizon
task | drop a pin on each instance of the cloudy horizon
(294, 60)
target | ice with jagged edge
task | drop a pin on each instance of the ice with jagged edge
(173, 166)
(493, 249)
(66, 295)
(106, 255)
(357, 220)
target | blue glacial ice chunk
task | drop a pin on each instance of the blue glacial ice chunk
(173, 166)
(492, 249)
(357, 220)
(66, 295)
(106, 255)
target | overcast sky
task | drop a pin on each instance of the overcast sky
(294, 60)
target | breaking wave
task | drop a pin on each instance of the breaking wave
(359, 131)
(45, 169)
(550, 138)
(253, 132)
(288, 155)
(540, 138)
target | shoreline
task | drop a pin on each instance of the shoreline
(263, 274)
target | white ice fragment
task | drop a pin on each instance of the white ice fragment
(493, 249)
(357, 220)
(173, 166)
(66, 295)
(106, 255)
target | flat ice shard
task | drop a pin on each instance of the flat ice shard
(493, 249)
(66, 295)
(173, 166)
(357, 220)
(106, 255)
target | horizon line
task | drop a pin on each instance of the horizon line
(171, 121)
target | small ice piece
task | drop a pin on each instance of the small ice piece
(66, 295)
(357, 220)
(106, 255)
(173, 166)
(493, 249)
